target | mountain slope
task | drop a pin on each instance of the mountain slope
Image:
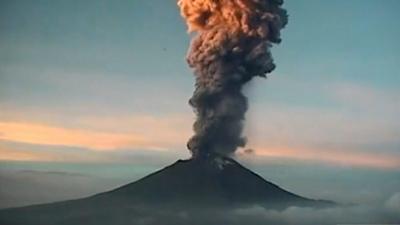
(186, 185)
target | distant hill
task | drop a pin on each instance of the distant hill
(185, 187)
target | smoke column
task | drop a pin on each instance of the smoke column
(231, 47)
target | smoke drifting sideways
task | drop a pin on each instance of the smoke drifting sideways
(231, 46)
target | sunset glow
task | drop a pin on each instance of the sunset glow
(156, 137)
(332, 156)
(50, 135)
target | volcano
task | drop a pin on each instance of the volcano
(193, 185)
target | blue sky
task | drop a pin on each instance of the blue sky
(107, 82)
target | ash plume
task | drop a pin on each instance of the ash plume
(231, 47)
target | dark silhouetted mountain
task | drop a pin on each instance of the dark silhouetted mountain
(167, 196)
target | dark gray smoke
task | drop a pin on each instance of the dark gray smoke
(231, 47)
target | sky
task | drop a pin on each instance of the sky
(97, 91)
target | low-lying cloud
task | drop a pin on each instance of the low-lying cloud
(257, 215)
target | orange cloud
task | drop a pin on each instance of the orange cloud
(17, 155)
(10, 153)
(167, 130)
(333, 156)
(50, 135)
(145, 132)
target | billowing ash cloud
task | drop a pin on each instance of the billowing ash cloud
(230, 48)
